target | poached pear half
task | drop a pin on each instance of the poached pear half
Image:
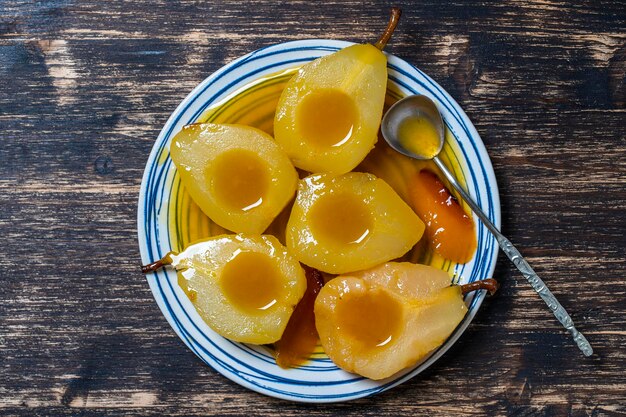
(236, 174)
(245, 287)
(349, 222)
(328, 115)
(377, 322)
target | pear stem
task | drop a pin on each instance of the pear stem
(488, 284)
(155, 266)
(391, 26)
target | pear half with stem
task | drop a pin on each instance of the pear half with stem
(245, 287)
(377, 322)
(328, 116)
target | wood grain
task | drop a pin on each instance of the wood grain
(86, 87)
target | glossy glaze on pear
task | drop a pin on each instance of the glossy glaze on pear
(328, 115)
(380, 321)
(237, 175)
(349, 222)
(245, 287)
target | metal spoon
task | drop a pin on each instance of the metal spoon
(422, 107)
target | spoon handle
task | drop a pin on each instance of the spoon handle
(518, 260)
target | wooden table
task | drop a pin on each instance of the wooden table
(85, 88)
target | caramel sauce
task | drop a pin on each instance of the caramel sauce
(327, 118)
(372, 319)
(419, 136)
(251, 281)
(341, 218)
(239, 179)
(449, 229)
(300, 337)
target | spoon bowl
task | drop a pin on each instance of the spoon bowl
(419, 112)
(412, 108)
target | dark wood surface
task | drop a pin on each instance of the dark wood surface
(85, 87)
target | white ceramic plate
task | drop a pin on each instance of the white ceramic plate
(253, 367)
